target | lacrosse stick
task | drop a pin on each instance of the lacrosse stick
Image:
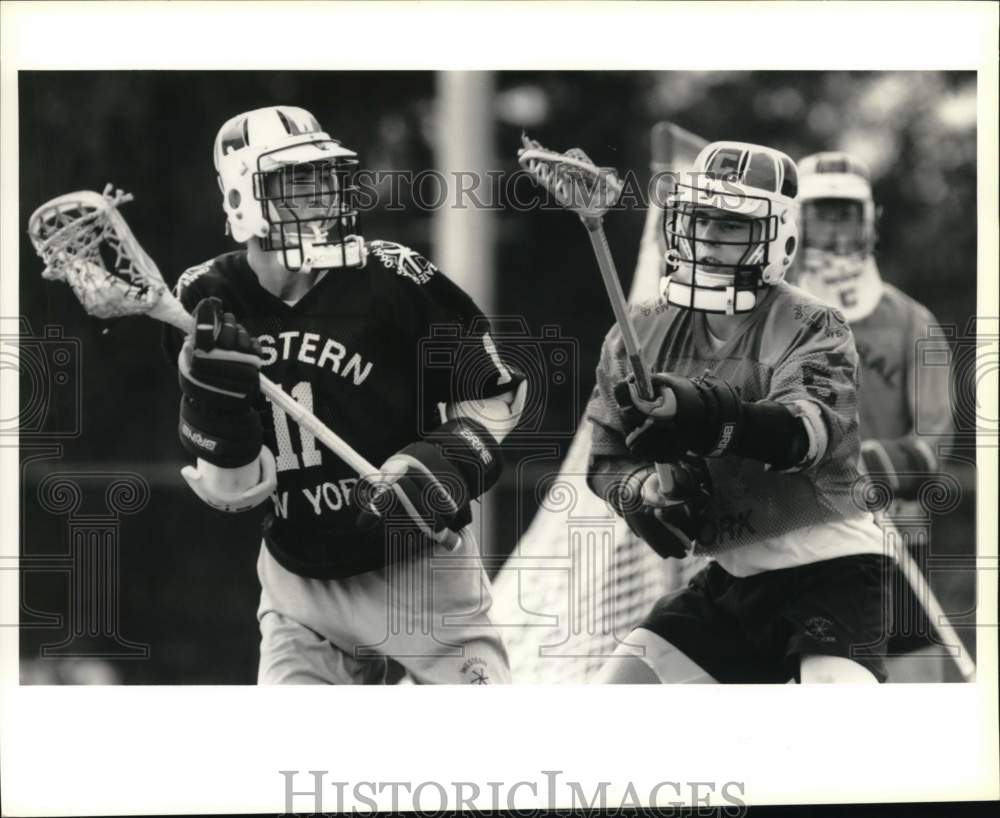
(85, 241)
(925, 596)
(935, 613)
(590, 191)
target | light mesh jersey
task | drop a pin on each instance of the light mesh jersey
(792, 349)
(904, 370)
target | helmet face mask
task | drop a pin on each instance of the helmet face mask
(305, 192)
(731, 230)
(715, 242)
(286, 183)
(834, 226)
(835, 240)
(306, 203)
(837, 212)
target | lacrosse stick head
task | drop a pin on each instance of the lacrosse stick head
(572, 178)
(84, 241)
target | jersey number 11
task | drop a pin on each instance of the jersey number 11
(287, 458)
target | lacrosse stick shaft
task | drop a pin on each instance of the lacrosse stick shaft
(599, 240)
(340, 447)
(171, 311)
(935, 613)
(619, 305)
(564, 176)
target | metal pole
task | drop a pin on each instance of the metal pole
(464, 234)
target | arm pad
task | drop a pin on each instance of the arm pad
(771, 434)
(715, 416)
(710, 419)
(209, 482)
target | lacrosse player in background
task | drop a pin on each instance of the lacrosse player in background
(757, 419)
(346, 566)
(838, 225)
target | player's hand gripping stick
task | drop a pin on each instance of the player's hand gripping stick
(589, 191)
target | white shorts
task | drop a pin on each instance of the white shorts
(429, 614)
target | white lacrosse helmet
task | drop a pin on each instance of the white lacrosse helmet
(730, 227)
(287, 183)
(837, 214)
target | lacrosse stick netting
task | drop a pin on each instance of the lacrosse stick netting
(84, 241)
(589, 191)
(579, 185)
(572, 178)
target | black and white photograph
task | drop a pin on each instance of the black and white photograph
(546, 376)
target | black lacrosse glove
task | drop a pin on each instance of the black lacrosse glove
(219, 368)
(700, 415)
(431, 483)
(671, 528)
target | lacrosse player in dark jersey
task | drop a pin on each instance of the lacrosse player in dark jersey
(349, 582)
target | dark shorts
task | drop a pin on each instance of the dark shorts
(756, 629)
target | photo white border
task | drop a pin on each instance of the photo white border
(218, 749)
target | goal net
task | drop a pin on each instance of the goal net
(579, 580)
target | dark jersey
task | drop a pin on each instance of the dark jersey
(372, 352)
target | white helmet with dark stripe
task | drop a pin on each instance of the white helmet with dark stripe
(730, 227)
(287, 183)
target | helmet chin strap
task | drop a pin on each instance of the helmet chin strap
(315, 253)
(306, 249)
(304, 246)
(726, 301)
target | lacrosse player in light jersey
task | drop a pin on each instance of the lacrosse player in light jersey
(756, 418)
(837, 218)
(347, 571)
